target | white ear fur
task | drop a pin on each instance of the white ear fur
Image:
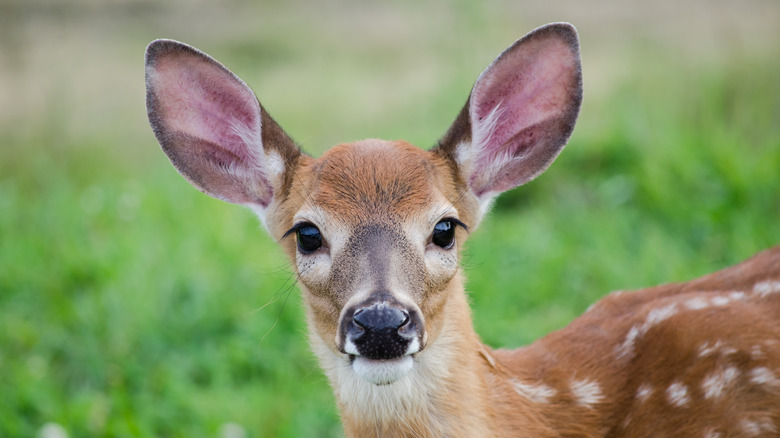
(482, 133)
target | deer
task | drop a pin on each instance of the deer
(375, 231)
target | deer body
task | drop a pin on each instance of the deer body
(375, 229)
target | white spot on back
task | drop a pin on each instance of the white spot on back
(706, 348)
(723, 300)
(697, 303)
(586, 392)
(757, 353)
(644, 392)
(766, 288)
(714, 384)
(537, 393)
(764, 377)
(756, 427)
(736, 295)
(700, 302)
(712, 433)
(654, 317)
(660, 314)
(627, 347)
(677, 394)
(720, 301)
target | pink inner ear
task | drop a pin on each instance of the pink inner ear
(204, 101)
(522, 110)
(523, 90)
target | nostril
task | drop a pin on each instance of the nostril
(355, 331)
(360, 319)
(405, 321)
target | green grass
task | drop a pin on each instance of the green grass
(132, 305)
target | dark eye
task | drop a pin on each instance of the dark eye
(444, 233)
(309, 238)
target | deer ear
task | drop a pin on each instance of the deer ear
(212, 127)
(520, 113)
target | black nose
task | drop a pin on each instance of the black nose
(380, 318)
(380, 331)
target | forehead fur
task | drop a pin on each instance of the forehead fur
(375, 177)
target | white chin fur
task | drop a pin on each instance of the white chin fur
(382, 372)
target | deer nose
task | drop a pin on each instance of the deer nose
(378, 318)
(380, 331)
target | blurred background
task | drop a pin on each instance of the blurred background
(133, 305)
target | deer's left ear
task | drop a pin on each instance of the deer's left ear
(520, 114)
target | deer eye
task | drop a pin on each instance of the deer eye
(444, 233)
(309, 238)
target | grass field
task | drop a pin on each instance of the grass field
(132, 305)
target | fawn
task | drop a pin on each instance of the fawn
(375, 228)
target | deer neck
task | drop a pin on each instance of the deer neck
(456, 388)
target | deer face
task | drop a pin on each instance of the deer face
(375, 249)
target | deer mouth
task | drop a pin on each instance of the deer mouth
(384, 370)
(380, 337)
(381, 372)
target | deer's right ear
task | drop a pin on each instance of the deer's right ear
(212, 127)
(520, 113)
